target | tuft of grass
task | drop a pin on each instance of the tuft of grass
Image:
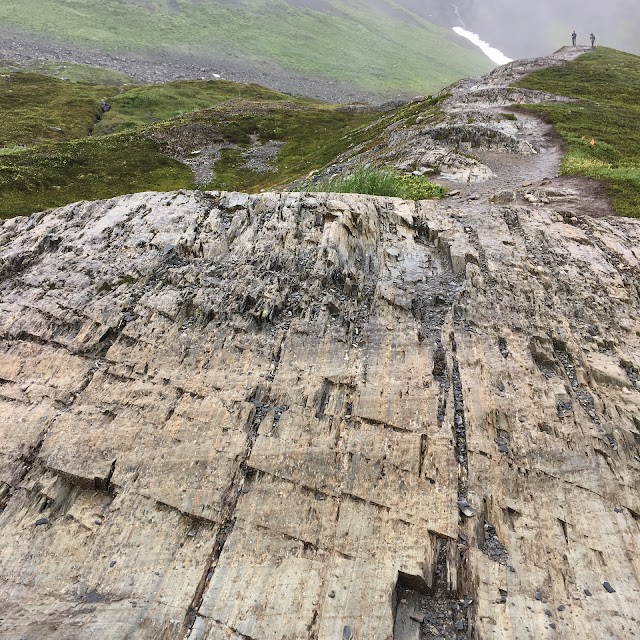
(607, 84)
(509, 116)
(379, 182)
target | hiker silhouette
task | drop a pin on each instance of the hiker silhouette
(574, 35)
(593, 40)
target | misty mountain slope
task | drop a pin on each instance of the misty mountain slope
(534, 27)
(380, 49)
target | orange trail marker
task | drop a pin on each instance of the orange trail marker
(593, 141)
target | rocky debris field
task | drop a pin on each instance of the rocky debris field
(321, 416)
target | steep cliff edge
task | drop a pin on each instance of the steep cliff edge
(319, 416)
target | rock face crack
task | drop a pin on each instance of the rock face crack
(235, 491)
(460, 430)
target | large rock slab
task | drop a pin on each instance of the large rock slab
(254, 417)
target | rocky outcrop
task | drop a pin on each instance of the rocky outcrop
(317, 416)
(475, 138)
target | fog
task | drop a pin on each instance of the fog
(523, 28)
(519, 28)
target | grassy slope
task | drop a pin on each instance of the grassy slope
(153, 103)
(70, 71)
(375, 53)
(607, 82)
(51, 173)
(55, 174)
(36, 108)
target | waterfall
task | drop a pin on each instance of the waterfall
(491, 52)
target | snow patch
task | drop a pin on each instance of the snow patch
(491, 52)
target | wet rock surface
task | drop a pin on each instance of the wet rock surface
(320, 416)
(248, 416)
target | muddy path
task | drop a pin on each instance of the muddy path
(486, 149)
(527, 171)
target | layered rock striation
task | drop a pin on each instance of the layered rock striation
(318, 416)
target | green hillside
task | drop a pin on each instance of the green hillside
(607, 83)
(374, 51)
(57, 162)
(36, 108)
(151, 133)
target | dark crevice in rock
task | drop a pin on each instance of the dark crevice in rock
(441, 374)
(504, 349)
(460, 430)
(583, 396)
(490, 544)
(5, 495)
(104, 484)
(429, 609)
(482, 256)
(243, 474)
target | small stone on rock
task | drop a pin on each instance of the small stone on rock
(41, 521)
(466, 508)
(587, 593)
(608, 587)
(332, 594)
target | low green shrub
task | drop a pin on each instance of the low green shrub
(380, 182)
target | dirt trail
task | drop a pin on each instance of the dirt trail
(486, 149)
(531, 175)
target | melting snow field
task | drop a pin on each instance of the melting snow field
(491, 52)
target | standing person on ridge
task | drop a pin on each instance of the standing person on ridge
(593, 40)
(574, 35)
